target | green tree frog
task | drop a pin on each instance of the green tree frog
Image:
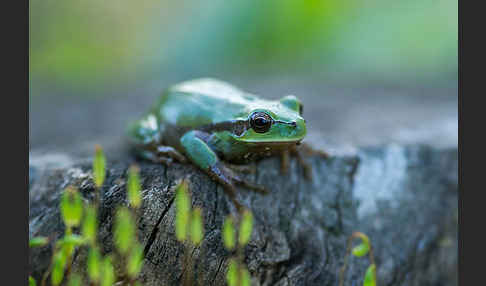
(209, 122)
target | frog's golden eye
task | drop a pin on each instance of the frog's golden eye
(260, 122)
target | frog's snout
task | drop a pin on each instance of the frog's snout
(299, 127)
(292, 130)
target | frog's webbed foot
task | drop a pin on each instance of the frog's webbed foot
(221, 175)
(308, 150)
(162, 154)
(228, 180)
(298, 152)
(305, 165)
(231, 171)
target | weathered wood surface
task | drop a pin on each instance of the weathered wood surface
(402, 194)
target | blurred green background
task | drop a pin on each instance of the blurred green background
(94, 45)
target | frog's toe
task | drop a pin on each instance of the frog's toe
(230, 190)
(246, 169)
(305, 165)
(307, 171)
(284, 162)
(324, 154)
(252, 186)
(309, 150)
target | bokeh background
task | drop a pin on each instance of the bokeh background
(368, 72)
(92, 47)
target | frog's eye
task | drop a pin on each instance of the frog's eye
(301, 109)
(260, 122)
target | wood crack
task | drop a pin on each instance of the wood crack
(153, 234)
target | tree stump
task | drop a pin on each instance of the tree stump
(403, 195)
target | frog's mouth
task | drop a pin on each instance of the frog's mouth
(285, 144)
(276, 143)
(292, 123)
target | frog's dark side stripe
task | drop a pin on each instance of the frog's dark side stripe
(236, 127)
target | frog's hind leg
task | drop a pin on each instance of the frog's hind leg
(198, 151)
(146, 141)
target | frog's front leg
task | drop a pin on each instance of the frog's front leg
(298, 153)
(198, 151)
(305, 165)
(284, 161)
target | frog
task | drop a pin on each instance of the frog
(217, 127)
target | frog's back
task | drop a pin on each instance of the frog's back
(200, 102)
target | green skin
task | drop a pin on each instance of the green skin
(209, 121)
